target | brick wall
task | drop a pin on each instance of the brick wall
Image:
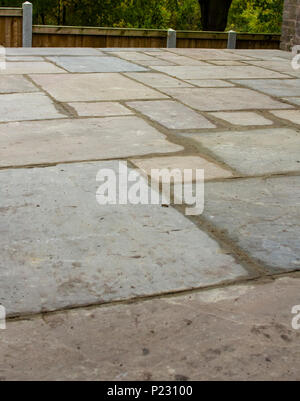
(291, 24)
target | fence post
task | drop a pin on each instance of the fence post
(27, 24)
(171, 41)
(231, 44)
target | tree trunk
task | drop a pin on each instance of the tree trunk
(214, 14)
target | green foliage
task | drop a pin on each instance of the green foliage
(245, 15)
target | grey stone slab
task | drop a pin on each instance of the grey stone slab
(273, 87)
(95, 64)
(218, 72)
(263, 54)
(235, 333)
(93, 87)
(172, 114)
(210, 54)
(100, 109)
(75, 140)
(27, 106)
(261, 215)
(154, 61)
(52, 51)
(293, 100)
(60, 248)
(290, 115)
(133, 56)
(128, 49)
(157, 80)
(283, 66)
(24, 58)
(262, 151)
(181, 60)
(29, 67)
(16, 84)
(209, 83)
(246, 118)
(219, 99)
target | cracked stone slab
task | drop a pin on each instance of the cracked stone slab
(219, 99)
(273, 87)
(211, 170)
(290, 115)
(95, 64)
(218, 72)
(261, 215)
(263, 151)
(247, 118)
(171, 114)
(27, 106)
(93, 87)
(52, 51)
(55, 141)
(100, 109)
(157, 80)
(28, 67)
(60, 248)
(16, 83)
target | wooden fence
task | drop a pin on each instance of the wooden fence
(11, 27)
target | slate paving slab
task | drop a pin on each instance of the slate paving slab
(263, 151)
(16, 84)
(60, 248)
(57, 141)
(246, 118)
(95, 64)
(27, 106)
(172, 114)
(273, 87)
(217, 99)
(261, 215)
(92, 87)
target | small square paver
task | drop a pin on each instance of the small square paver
(290, 115)
(95, 64)
(264, 151)
(93, 87)
(100, 109)
(16, 84)
(27, 106)
(211, 170)
(172, 114)
(219, 99)
(28, 67)
(273, 87)
(157, 80)
(246, 118)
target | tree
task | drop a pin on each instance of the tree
(214, 14)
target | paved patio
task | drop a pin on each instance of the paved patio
(142, 292)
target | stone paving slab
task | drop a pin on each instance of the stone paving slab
(157, 80)
(27, 106)
(28, 67)
(100, 109)
(217, 99)
(242, 332)
(261, 215)
(57, 141)
(283, 66)
(133, 56)
(95, 64)
(52, 51)
(93, 87)
(255, 152)
(181, 60)
(246, 118)
(293, 100)
(24, 58)
(290, 115)
(211, 54)
(16, 84)
(263, 54)
(209, 83)
(273, 87)
(172, 115)
(218, 72)
(61, 248)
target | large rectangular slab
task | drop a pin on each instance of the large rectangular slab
(283, 66)
(218, 72)
(273, 87)
(261, 215)
(60, 248)
(52, 51)
(263, 151)
(95, 64)
(219, 99)
(75, 140)
(16, 84)
(29, 67)
(210, 54)
(157, 80)
(91, 87)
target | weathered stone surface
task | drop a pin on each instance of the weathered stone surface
(24, 58)
(16, 84)
(60, 248)
(157, 80)
(290, 115)
(243, 118)
(172, 114)
(262, 54)
(211, 54)
(91, 87)
(283, 66)
(75, 140)
(293, 100)
(236, 333)
(274, 87)
(28, 67)
(215, 99)
(209, 83)
(226, 62)
(181, 60)
(52, 51)
(263, 151)
(100, 109)
(211, 170)
(133, 56)
(27, 106)
(218, 72)
(261, 215)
